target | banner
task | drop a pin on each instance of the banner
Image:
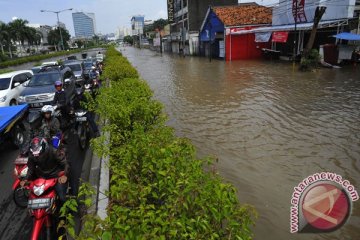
(262, 36)
(280, 37)
(298, 11)
(171, 13)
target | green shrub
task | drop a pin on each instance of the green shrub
(5, 70)
(310, 61)
(158, 188)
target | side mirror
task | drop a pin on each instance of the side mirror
(16, 84)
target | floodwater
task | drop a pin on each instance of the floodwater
(269, 127)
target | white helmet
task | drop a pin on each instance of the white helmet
(93, 67)
(47, 109)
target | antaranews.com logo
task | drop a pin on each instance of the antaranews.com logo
(321, 203)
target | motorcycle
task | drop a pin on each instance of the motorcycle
(82, 127)
(42, 206)
(20, 171)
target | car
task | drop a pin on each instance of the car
(40, 89)
(100, 57)
(87, 68)
(36, 69)
(78, 69)
(11, 86)
(46, 64)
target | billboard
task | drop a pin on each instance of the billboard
(171, 11)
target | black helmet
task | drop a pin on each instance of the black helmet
(38, 146)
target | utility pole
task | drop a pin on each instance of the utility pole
(295, 35)
(183, 33)
(58, 21)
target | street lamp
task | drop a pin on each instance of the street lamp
(57, 15)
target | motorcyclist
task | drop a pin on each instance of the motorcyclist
(45, 162)
(61, 104)
(78, 103)
(50, 125)
(94, 73)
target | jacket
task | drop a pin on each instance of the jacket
(48, 165)
(50, 128)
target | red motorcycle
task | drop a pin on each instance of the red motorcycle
(42, 206)
(20, 172)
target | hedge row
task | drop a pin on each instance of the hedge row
(158, 188)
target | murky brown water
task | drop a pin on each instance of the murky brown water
(269, 127)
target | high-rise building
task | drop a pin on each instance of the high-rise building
(84, 24)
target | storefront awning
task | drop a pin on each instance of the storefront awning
(348, 36)
(291, 27)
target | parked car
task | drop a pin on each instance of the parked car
(78, 69)
(40, 90)
(11, 86)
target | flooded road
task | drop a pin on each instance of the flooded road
(269, 127)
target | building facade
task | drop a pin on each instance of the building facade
(188, 17)
(218, 34)
(84, 24)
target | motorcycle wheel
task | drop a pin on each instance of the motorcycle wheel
(21, 197)
(18, 136)
(82, 136)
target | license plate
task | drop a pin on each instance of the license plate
(39, 203)
(36, 105)
(81, 119)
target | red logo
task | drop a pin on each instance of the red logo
(325, 207)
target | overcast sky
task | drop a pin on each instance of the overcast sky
(109, 14)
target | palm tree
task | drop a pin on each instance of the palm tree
(18, 31)
(30, 36)
(5, 37)
(3, 34)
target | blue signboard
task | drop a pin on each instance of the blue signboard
(213, 25)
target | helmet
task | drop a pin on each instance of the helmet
(93, 68)
(38, 146)
(47, 109)
(58, 84)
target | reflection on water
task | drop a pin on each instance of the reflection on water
(269, 127)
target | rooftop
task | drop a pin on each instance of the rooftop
(244, 14)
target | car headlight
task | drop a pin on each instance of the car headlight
(51, 96)
(39, 190)
(3, 99)
(21, 99)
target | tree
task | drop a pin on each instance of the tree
(129, 39)
(54, 37)
(18, 31)
(3, 36)
(158, 24)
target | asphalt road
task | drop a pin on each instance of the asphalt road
(15, 222)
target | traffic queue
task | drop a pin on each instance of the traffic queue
(39, 111)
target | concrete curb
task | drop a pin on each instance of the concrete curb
(102, 198)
